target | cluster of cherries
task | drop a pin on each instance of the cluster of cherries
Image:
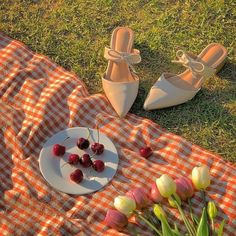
(85, 160)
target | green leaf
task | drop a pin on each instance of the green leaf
(221, 227)
(166, 229)
(203, 229)
(176, 230)
(196, 220)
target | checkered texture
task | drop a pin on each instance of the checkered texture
(43, 99)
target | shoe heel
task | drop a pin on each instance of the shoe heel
(220, 66)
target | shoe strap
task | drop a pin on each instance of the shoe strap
(195, 64)
(116, 56)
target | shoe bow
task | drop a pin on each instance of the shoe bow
(116, 56)
(187, 61)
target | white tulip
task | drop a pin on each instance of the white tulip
(125, 205)
(166, 185)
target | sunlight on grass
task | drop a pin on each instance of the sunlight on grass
(74, 34)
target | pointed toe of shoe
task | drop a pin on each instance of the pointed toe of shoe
(121, 109)
(156, 99)
(150, 103)
(164, 94)
(121, 95)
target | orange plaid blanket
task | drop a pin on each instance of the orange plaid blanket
(48, 99)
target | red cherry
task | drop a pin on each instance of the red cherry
(83, 143)
(58, 150)
(145, 152)
(73, 159)
(98, 165)
(97, 148)
(77, 176)
(85, 160)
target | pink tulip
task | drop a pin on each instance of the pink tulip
(140, 197)
(155, 194)
(116, 219)
(184, 188)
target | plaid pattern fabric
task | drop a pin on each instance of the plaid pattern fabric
(43, 99)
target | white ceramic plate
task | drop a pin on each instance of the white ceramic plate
(59, 177)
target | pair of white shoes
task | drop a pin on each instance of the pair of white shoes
(120, 83)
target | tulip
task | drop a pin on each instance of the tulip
(201, 177)
(211, 210)
(125, 205)
(172, 201)
(212, 213)
(116, 220)
(159, 212)
(166, 185)
(155, 194)
(184, 188)
(166, 229)
(140, 197)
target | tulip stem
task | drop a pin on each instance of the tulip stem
(149, 217)
(205, 203)
(148, 223)
(189, 227)
(191, 209)
(212, 226)
(204, 198)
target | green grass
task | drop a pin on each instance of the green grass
(74, 34)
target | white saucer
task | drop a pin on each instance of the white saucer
(59, 177)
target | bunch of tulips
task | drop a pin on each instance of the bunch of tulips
(137, 201)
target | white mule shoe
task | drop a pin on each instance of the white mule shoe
(120, 84)
(171, 90)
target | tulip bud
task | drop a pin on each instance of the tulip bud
(184, 188)
(125, 205)
(211, 210)
(116, 219)
(155, 194)
(159, 212)
(140, 197)
(201, 177)
(166, 185)
(172, 202)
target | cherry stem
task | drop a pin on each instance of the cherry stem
(98, 133)
(93, 156)
(88, 133)
(65, 140)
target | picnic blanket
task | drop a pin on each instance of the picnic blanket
(45, 99)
